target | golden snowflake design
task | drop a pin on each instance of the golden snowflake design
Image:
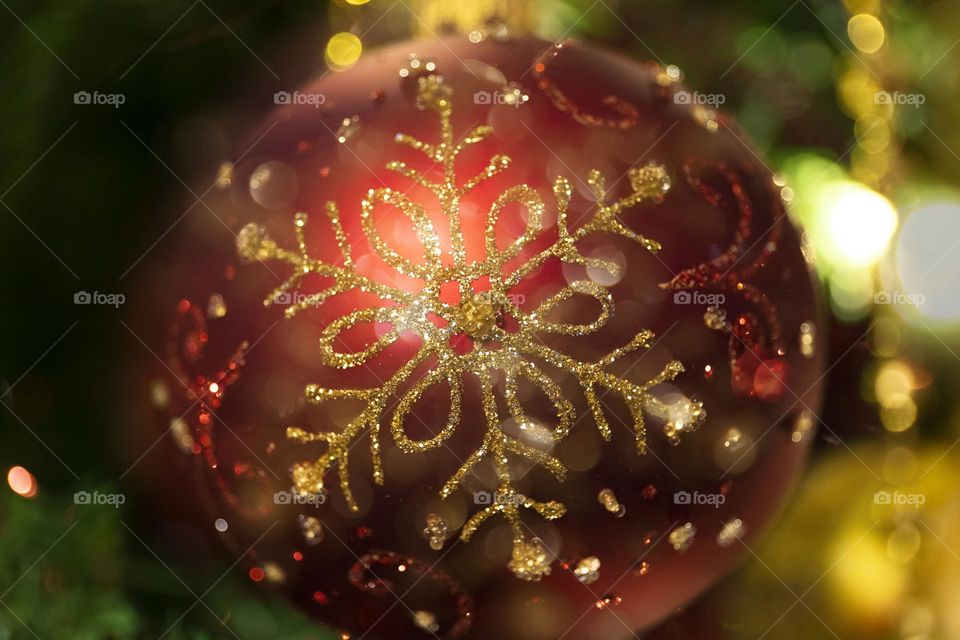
(514, 354)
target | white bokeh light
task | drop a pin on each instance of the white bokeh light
(861, 222)
(927, 259)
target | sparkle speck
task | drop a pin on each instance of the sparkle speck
(216, 307)
(588, 570)
(530, 561)
(802, 427)
(348, 129)
(273, 573)
(159, 394)
(609, 601)
(312, 529)
(180, 432)
(733, 440)
(731, 532)
(426, 621)
(716, 318)
(608, 499)
(808, 333)
(224, 175)
(435, 531)
(682, 537)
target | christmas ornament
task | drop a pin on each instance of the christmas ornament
(517, 342)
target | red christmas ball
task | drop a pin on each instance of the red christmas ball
(511, 340)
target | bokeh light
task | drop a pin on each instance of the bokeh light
(864, 579)
(926, 260)
(861, 222)
(343, 50)
(22, 482)
(866, 32)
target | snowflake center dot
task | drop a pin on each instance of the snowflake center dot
(477, 316)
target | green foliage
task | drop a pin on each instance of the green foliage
(74, 571)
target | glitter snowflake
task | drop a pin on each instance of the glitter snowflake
(511, 355)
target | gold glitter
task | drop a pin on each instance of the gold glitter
(682, 537)
(802, 427)
(734, 440)
(513, 95)
(529, 560)
(588, 570)
(707, 118)
(426, 620)
(516, 354)
(224, 175)
(808, 333)
(180, 431)
(731, 532)
(608, 499)
(477, 315)
(273, 573)
(416, 65)
(216, 307)
(608, 601)
(348, 128)
(159, 394)
(435, 531)
(716, 318)
(312, 529)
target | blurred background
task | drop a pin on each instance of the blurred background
(852, 102)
